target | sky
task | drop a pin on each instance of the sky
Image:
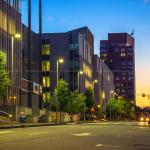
(102, 17)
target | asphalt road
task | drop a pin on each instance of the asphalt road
(76, 137)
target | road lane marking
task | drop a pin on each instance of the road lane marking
(82, 134)
(99, 145)
(5, 132)
(37, 133)
(102, 145)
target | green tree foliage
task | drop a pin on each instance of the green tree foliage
(89, 98)
(76, 103)
(61, 95)
(120, 109)
(5, 82)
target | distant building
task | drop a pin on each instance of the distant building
(10, 24)
(76, 47)
(104, 82)
(118, 52)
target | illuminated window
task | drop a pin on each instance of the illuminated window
(46, 81)
(45, 66)
(46, 49)
(87, 70)
(123, 54)
(46, 97)
(108, 78)
(88, 84)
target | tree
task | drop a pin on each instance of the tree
(89, 102)
(61, 95)
(5, 82)
(120, 108)
(76, 103)
(89, 98)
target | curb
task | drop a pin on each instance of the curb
(31, 125)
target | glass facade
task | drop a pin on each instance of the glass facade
(10, 24)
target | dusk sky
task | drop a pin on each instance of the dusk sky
(102, 17)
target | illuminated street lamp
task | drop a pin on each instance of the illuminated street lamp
(15, 36)
(92, 110)
(94, 82)
(110, 110)
(59, 61)
(80, 73)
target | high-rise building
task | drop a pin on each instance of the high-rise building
(10, 25)
(76, 47)
(118, 52)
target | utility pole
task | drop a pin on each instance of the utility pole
(29, 54)
(40, 51)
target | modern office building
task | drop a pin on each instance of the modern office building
(103, 82)
(30, 67)
(10, 25)
(76, 48)
(118, 52)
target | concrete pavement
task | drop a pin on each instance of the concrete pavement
(76, 137)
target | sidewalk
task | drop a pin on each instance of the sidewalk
(119, 123)
(26, 125)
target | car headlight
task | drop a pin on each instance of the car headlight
(147, 119)
(142, 119)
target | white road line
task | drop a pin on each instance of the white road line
(37, 133)
(5, 132)
(102, 145)
(82, 134)
(99, 145)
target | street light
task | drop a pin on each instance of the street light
(12, 99)
(16, 36)
(80, 73)
(59, 61)
(92, 110)
(94, 82)
(110, 110)
(99, 111)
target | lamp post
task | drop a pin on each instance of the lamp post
(59, 61)
(99, 107)
(12, 99)
(94, 82)
(110, 110)
(80, 73)
(15, 36)
(92, 109)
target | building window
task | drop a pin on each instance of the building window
(46, 49)
(46, 97)
(123, 54)
(46, 81)
(108, 77)
(45, 66)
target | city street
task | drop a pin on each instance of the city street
(76, 137)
